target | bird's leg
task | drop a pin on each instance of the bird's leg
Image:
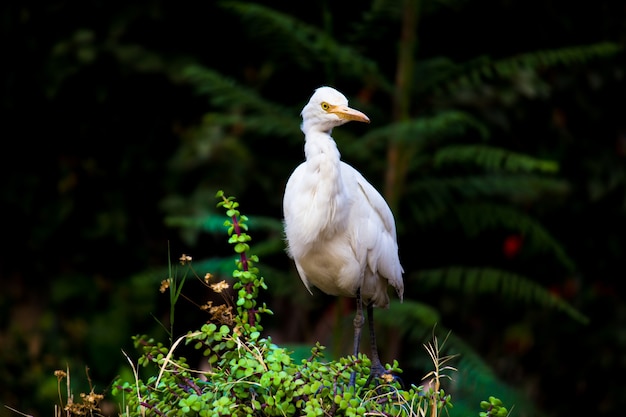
(377, 368)
(358, 322)
(358, 325)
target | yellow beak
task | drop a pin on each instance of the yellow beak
(348, 113)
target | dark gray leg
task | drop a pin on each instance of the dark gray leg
(358, 326)
(377, 368)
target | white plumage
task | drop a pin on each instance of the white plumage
(340, 231)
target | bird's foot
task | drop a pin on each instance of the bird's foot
(378, 372)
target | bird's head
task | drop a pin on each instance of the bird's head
(328, 108)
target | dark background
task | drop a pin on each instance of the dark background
(100, 134)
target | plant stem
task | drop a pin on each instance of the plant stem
(242, 255)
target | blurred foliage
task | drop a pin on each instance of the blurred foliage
(123, 121)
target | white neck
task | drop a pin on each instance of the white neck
(321, 144)
(323, 167)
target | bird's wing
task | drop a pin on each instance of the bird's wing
(304, 208)
(293, 201)
(292, 207)
(377, 230)
(376, 201)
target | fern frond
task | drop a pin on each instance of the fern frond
(519, 187)
(224, 92)
(305, 43)
(272, 125)
(492, 158)
(265, 124)
(496, 281)
(431, 72)
(560, 56)
(429, 209)
(476, 218)
(485, 68)
(407, 314)
(246, 109)
(426, 131)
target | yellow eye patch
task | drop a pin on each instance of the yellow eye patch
(325, 106)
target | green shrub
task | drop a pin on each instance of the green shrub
(247, 374)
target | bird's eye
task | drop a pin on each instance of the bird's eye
(325, 106)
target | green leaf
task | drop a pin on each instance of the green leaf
(241, 247)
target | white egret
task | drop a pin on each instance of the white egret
(340, 232)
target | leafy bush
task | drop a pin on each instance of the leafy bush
(247, 374)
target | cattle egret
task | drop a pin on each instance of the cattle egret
(340, 232)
